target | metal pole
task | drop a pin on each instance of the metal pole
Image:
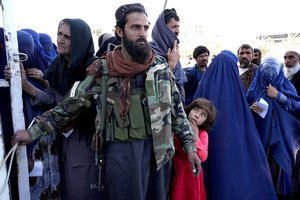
(165, 5)
(11, 44)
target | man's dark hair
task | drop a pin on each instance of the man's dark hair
(200, 50)
(123, 11)
(169, 14)
(256, 50)
(245, 46)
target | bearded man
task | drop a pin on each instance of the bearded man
(143, 110)
(292, 68)
(247, 70)
(291, 71)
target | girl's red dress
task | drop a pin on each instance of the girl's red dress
(185, 185)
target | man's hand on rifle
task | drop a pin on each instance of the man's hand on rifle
(21, 137)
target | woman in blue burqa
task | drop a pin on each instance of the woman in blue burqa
(279, 129)
(48, 46)
(39, 53)
(236, 167)
(45, 186)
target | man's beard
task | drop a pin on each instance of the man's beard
(289, 72)
(139, 53)
(255, 61)
(244, 63)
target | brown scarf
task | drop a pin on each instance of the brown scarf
(125, 69)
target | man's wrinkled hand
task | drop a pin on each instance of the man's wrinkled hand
(21, 137)
(195, 162)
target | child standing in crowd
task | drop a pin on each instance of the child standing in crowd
(185, 185)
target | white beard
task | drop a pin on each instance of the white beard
(289, 72)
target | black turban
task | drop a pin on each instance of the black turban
(123, 10)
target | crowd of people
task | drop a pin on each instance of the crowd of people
(128, 122)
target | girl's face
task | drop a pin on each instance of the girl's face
(198, 116)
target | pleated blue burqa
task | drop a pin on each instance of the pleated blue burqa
(236, 167)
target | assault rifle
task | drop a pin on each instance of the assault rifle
(99, 137)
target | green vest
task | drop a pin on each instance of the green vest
(136, 125)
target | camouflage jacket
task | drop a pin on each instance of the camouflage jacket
(166, 110)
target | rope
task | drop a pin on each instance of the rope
(12, 153)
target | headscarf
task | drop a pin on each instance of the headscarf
(48, 46)
(162, 39)
(270, 72)
(60, 76)
(39, 59)
(103, 37)
(25, 43)
(236, 167)
(108, 45)
(279, 130)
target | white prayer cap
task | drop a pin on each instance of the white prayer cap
(293, 48)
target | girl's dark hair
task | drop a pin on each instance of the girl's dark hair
(206, 105)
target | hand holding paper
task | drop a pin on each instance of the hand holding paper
(264, 106)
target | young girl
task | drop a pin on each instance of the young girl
(186, 185)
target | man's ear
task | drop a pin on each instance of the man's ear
(119, 31)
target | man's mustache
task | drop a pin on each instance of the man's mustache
(142, 40)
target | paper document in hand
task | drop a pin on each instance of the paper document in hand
(264, 106)
(37, 169)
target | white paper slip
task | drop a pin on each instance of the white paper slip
(37, 169)
(263, 105)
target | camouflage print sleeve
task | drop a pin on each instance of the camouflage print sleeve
(60, 118)
(180, 124)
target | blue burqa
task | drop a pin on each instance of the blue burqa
(26, 45)
(39, 57)
(236, 167)
(43, 148)
(48, 46)
(279, 131)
